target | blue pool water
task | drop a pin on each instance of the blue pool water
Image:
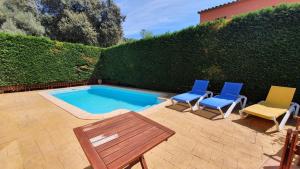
(104, 99)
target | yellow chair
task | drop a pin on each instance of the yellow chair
(278, 102)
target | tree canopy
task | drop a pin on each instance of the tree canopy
(96, 22)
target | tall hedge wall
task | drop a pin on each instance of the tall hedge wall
(33, 60)
(259, 49)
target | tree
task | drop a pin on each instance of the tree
(109, 25)
(29, 23)
(75, 27)
(146, 34)
(104, 17)
(20, 16)
(96, 22)
(2, 17)
(9, 26)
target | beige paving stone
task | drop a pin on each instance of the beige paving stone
(217, 158)
(199, 163)
(203, 152)
(34, 133)
(45, 144)
(35, 161)
(10, 156)
(208, 142)
(51, 160)
(181, 161)
(229, 162)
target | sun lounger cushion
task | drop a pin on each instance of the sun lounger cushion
(265, 111)
(217, 102)
(186, 97)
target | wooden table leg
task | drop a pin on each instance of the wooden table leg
(132, 164)
(297, 123)
(298, 153)
(143, 162)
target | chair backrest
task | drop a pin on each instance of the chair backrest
(231, 90)
(200, 87)
(280, 97)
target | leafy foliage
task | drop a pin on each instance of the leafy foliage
(109, 24)
(101, 21)
(34, 60)
(10, 27)
(2, 16)
(93, 22)
(19, 17)
(75, 27)
(259, 49)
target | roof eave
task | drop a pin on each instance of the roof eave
(218, 6)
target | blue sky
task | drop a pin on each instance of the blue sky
(160, 16)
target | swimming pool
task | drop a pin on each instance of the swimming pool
(104, 99)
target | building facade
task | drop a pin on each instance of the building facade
(237, 7)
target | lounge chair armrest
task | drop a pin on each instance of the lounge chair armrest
(209, 93)
(242, 97)
(295, 107)
(243, 100)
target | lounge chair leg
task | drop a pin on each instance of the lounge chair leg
(221, 112)
(284, 120)
(190, 106)
(198, 106)
(198, 102)
(243, 114)
(276, 123)
(173, 103)
(230, 109)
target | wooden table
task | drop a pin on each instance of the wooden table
(120, 141)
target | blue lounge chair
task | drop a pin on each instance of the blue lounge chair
(230, 95)
(198, 92)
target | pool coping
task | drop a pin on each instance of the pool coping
(81, 114)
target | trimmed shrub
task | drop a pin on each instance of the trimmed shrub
(34, 60)
(259, 49)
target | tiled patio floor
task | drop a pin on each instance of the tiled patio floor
(36, 134)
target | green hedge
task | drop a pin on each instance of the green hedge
(259, 49)
(35, 60)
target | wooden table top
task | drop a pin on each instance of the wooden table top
(118, 141)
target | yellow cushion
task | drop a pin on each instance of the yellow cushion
(280, 97)
(264, 111)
